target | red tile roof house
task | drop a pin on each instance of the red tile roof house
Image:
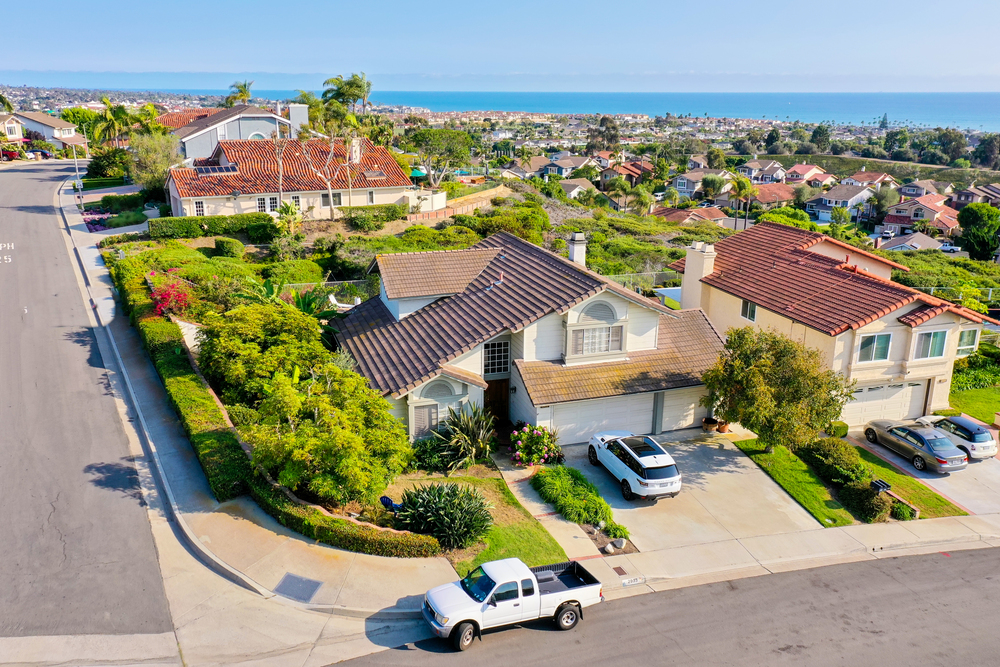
(242, 177)
(897, 343)
(686, 216)
(530, 335)
(871, 179)
(769, 195)
(633, 172)
(929, 209)
(821, 180)
(801, 173)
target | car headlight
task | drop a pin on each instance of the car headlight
(441, 620)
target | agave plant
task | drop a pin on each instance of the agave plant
(467, 435)
(456, 515)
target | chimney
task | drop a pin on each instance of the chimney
(578, 249)
(864, 167)
(298, 115)
(700, 262)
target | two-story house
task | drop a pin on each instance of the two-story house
(873, 180)
(762, 171)
(697, 162)
(56, 131)
(201, 137)
(925, 187)
(801, 173)
(821, 181)
(633, 172)
(532, 336)
(11, 129)
(929, 210)
(977, 194)
(566, 165)
(843, 196)
(897, 343)
(689, 184)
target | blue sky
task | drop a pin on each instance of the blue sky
(641, 46)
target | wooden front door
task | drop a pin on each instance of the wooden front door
(497, 397)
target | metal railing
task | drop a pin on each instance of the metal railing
(644, 281)
(343, 290)
(986, 292)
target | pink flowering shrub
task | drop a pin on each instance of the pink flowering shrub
(534, 445)
(173, 297)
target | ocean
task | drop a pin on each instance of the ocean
(971, 111)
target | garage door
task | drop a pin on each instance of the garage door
(577, 421)
(681, 409)
(903, 400)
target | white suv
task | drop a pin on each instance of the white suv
(639, 463)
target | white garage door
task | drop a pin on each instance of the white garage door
(681, 409)
(904, 400)
(577, 421)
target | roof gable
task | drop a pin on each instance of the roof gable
(437, 273)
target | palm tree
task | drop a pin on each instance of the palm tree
(5, 103)
(364, 89)
(619, 186)
(641, 200)
(743, 191)
(240, 92)
(114, 121)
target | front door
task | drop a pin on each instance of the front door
(497, 399)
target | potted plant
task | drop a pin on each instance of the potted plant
(709, 424)
(723, 426)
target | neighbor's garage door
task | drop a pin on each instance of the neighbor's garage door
(577, 421)
(681, 409)
(885, 401)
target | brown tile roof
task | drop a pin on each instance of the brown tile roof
(924, 313)
(398, 356)
(871, 177)
(44, 119)
(771, 266)
(176, 119)
(463, 375)
(437, 273)
(687, 346)
(257, 170)
(804, 170)
(683, 215)
(945, 217)
(773, 193)
(534, 164)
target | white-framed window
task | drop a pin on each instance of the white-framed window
(496, 357)
(425, 419)
(967, 342)
(297, 200)
(874, 347)
(12, 130)
(748, 310)
(918, 213)
(325, 199)
(930, 344)
(371, 196)
(199, 208)
(597, 340)
(256, 136)
(272, 204)
(262, 204)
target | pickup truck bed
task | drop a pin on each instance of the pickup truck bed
(562, 577)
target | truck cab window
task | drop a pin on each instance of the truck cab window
(527, 588)
(506, 591)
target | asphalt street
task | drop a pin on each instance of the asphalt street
(938, 609)
(76, 550)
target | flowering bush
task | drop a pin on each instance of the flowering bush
(534, 445)
(172, 297)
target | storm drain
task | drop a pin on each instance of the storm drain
(620, 571)
(297, 588)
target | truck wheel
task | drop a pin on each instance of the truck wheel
(462, 636)
(567, 617)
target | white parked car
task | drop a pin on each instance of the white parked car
(641, 465)
(974, 439)
(505, 592)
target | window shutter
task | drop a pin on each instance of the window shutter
(616, 339)
(578, 342)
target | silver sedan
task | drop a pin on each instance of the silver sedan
(923, 446)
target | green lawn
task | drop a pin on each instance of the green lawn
(931, 505)
(794, 476)
(98, 183)
(982, 404)
(670, 303)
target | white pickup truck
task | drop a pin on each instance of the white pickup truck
(504, 592)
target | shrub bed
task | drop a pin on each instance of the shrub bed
(575, 498)
(865, 503)
(294, 271)
(190, 227)
(378, 212)
(119, 203)
(835, 461)
(229, 247)
(535, 445)
(837, 429)
(119, 238)
(456, 515)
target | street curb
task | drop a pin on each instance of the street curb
(208, 558)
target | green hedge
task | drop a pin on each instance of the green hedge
(229, 247)
(190, 227)
(837, 429)
(576, 498)
(835, 461)
(865, 503)
(263, 232)
(377, 212)
(119, 238)
(294, 271)
(119, 203)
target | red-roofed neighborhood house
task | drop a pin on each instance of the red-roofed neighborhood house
(633, 172)
(873, 180)
(927, 210)
(242, 177)
(801, 173)
(897, 343)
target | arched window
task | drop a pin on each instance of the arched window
(438, 390)
(598, 313)
(257, 135)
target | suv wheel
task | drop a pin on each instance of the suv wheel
(592, 456)
(919, 463)
(627, 490)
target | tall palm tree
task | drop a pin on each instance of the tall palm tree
(641, 200)
(114, 121)
(619, 187)
(743, 190)
(240, 92)
(364, 89)
(5, 103)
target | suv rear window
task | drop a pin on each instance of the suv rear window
(663, 472)
(981, 437)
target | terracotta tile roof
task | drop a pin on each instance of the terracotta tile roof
(804, 170)
(771, 266)
(398, 356)
(437, 273)
(176, 119)
(925, 313)
(634, 169)
(687, 346)
(945, 217)
(257, 170)
(821, 178)
(463, 375)
(871, 177)
(684, 215)
(773, 193)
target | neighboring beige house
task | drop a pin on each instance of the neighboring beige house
(697, 162)
(873, 180)
(897, 343)
(977, 194)
(763, 171)
(928, 209)
(925, 187)
(801, 173)
(573, 187)
(532, 336)
(689, 184)
(11, 129)
(242, 177)
(55, 130)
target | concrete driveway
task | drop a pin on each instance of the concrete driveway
(725, 496)
(976, 489)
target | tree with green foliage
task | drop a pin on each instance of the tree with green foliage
(641, 200)
(773, 137)
(980, 224)
(605, 136)
(841, 216)
(440, 151)
(821, 137)
(895, 139)
(743, 191)
(803, 193)
(152, 157)
(84, 119)
(716, 158)
(885, 198)
(239, 93)
(588, 171)
(712, 185)
(671, 197)
(951, 142)
(774, 386)
(987, 153)
(756, 137)
(5, 104)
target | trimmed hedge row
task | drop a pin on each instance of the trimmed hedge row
(377, 212)
(227, 467)
(576, 498)
(191, 226)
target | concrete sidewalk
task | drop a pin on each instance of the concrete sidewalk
(237, 534)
